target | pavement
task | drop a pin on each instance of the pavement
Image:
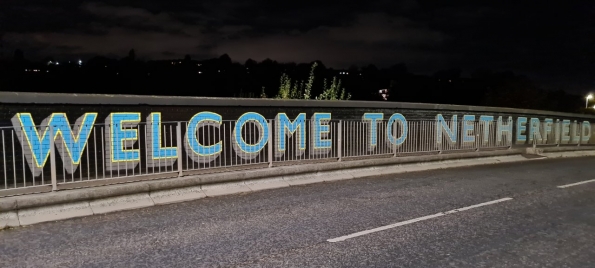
(531, 223)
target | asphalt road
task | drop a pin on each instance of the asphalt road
(541, 226)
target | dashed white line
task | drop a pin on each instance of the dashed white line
(574, 184)
(386, 227)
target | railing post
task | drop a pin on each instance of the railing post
(340, 140)
(270, 143)
(179, 143)
(477, 139)
(534, 141)
(439, 141)
(558, 135)
(394, 130)
(53, 160)
(580, 138)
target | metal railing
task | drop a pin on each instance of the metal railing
(557, 134)
(170, 149)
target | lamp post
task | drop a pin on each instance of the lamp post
(587, 102)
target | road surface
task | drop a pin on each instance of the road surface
(528, 221)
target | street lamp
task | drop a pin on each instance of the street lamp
(588, 98)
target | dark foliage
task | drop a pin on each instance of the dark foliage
(221, 77)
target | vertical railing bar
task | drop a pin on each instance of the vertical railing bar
(580, 137)
(147, 143)
(231, 137)
(162, 132)
(14, 164)
(78, 145)
(103, 150)
(125, 162)
(231, 156)
(340, 140)
(222, 138)
(134, 147)
(23, 162)
(53, 160)
(4, 161)
(334, 138)
(171, 144)
(362, 139)
(117, 163)
(348, 137)
(95, 148)
(33, 173)
(270, 143)
(179, 147)
(140, 159)
(64, 171)
(33, 170)
(348, 144)
(207, 136)
(205, 165)
(88, 160)
(359, 141)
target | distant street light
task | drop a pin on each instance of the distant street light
(588, 98)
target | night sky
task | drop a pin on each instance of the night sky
(553, 44)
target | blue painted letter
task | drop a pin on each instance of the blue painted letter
(391, 133)
(121, 134)
(372, 119)
(286, 129)
(261, 130)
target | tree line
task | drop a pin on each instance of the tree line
(222, 77)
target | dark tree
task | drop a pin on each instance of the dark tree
(132, 55)
(19, 56)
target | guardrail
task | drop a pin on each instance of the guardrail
(183, 149)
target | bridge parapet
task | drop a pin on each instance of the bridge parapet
(57, 141)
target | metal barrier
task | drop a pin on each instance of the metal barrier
(557, 134)
(56, 161)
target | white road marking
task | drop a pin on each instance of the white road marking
(574, 184)
(386, 227)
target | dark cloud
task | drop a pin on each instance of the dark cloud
(552, 43)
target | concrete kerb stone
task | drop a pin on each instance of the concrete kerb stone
(367, 172)
(268, 183)
(301, 179)
(8, 204)
(568, 149)
(392, 169)
(224, 188)
(75, 195)
(510, 158)
(415, 167)
(222, 177)
(265, 173)
(9, 219)
(54, 213)
(569, 154)
(336, 175)
(53, 198)
(181, 182)
(177, 195)
(120, 203)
